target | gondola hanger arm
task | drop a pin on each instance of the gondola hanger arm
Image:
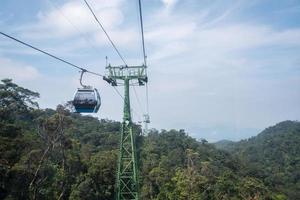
(80, 80)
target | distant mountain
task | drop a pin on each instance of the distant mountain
(273, 156)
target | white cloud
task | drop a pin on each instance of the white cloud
(168, 51)
(17, 71)
(206, 80)
(73, 19)
(176, 33)
(128, 38)
(169, 3)
(70, 28)
(171, 32)
(216, 42)
(236, 37)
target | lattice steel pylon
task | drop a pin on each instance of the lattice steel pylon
(127, 175)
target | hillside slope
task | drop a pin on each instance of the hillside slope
(273, 156)
(224, 144)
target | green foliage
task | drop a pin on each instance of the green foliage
(56, 154)
(273, 157)
(15, 100)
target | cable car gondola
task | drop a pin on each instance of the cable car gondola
(86, 99)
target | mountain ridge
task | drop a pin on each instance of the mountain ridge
(274, 153)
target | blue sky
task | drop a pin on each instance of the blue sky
(218, 69)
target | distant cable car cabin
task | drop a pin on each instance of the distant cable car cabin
(86, 99)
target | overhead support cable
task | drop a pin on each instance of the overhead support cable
(144, 52)
(83, 35)
(51, 55)
(142, 32)
(103, 29)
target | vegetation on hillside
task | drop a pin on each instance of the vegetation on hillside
(273, 156)
(57, 154)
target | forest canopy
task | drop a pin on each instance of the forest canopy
(58, 154)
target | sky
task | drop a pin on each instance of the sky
(220, 69)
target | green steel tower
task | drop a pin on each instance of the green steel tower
(127, 175)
